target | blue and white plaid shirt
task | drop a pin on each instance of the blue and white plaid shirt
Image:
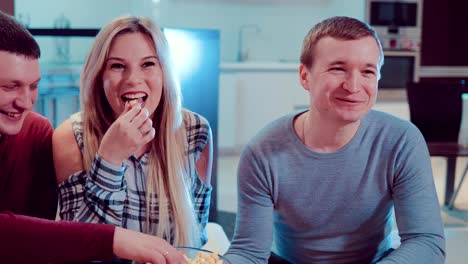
(117, 194)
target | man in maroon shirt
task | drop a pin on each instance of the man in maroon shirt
(27, 180)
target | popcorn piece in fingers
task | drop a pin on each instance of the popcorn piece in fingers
(133, 102)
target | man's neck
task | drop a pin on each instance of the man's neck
(324, 135)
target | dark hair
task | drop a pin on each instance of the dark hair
(339, 27)
(15, 38)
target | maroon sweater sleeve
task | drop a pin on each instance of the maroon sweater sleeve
(27, 239)
(43, 196)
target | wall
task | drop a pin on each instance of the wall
(85, 13)
(7, 6)
(444, 38)
(82, 14)
(447, 45)
(282, 24)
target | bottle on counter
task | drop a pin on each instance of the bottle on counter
(463, 134)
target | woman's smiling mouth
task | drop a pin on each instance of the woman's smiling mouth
(139, 97)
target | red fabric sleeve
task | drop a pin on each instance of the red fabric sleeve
(43, 198)
(32, 240)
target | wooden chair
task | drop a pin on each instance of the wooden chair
(436, 109)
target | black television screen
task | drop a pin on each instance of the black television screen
(393, 14)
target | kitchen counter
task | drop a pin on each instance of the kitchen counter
(293, 67)
(258, 66)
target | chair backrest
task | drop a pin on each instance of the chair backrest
(436, 109)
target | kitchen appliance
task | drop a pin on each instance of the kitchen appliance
(400, 68)
(398, 23)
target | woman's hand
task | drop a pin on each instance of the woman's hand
(144, 248)
(130, 131)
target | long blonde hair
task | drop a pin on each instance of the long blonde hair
(168, 167)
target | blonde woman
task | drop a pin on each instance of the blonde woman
(134, 157)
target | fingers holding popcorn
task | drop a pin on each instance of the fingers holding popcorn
(132, 130)
(146, 127)
(133, 102)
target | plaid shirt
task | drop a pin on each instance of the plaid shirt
(117, 194)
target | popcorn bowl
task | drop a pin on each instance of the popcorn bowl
(198, 255)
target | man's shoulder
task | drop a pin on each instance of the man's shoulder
(275, 133)
(390, 126)
(35, 133)
(35, 126)
(34, 119)
(383, 119)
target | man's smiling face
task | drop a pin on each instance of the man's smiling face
(19, 77)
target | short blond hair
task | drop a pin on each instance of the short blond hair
(339, 27)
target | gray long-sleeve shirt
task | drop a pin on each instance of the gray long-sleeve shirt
(311, 207)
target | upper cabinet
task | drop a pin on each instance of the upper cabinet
(445, 33)
(255, 2)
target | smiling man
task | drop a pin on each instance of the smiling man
(27, 178)
(322, 185)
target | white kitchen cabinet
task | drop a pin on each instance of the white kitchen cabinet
(262, 93)
(262, 97)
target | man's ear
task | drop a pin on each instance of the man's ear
(304, 76)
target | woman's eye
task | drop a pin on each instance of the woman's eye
(148, 64)
(117, 66)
